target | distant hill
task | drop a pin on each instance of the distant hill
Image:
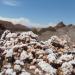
(60, 25)
(44, 33)
(5, 25)
(60, 30)
(13, 27)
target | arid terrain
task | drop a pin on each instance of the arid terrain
(22, 53)
(44, 33)
(37, 37)
(33, 51)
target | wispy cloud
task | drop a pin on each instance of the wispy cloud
(26, 22)
(10, 2)
(21, 20)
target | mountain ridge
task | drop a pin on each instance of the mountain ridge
(44, 33)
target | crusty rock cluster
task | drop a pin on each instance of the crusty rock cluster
(23, 54)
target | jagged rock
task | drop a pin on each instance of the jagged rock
(4, 34)
(47, 68)
(66, 69)
(21, 53)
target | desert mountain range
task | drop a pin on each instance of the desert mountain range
(59, 29)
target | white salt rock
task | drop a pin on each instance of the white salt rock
(25, 73)
(32, 67)
(22, 63)
(32, 34)
(51, 57)
(19, 46)
(47, 74)
(1, 73)
(30, 55)
(27, 39)
(23, 55)
(42, 42)
(17, 67)
(72, 62)
(4, 34)
(7, 65)
(14, 73)
(33, 40)
(9, 72)
(9, 53)
(11, 35)
(55, 38)
(16, 46)
(16, 40)
(38, 44)
(8, 35)
(37, 71)
(19, 62)
(23, 70)
(59, 61)
(49, 51)
(11, 39)
(34, 60)
(40, 56)
(8, 43)
(22, 45)
(48, 42)
(63, 42)
(47, 68)
(66, 57)
(23, 37)
(14, 35)
(40, 52)
(39, 60)
(66, 68)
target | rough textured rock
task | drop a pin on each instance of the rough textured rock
(23, 54)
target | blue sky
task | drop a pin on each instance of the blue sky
(39, 11)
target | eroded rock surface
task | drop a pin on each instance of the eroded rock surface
(23, 54)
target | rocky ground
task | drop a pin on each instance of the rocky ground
(23, 54)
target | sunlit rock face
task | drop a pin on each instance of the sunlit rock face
(23, 54)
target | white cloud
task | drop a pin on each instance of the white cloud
(10, 2)
(26, 22)
(23, 21)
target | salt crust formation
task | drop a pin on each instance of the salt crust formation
(22, 53)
